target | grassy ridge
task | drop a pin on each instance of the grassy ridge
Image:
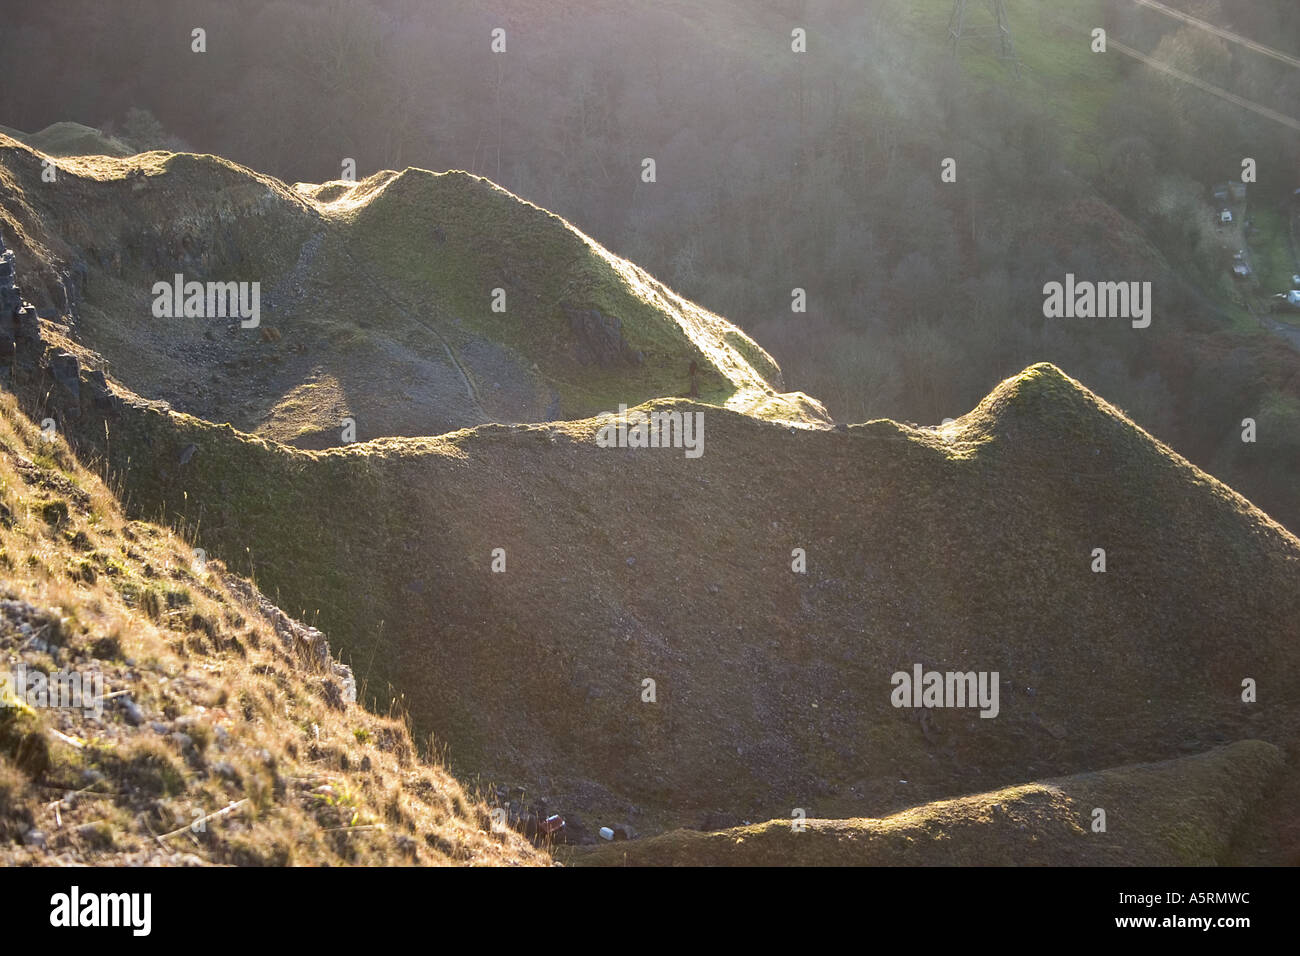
(71, 139)
(964, 547)
(382, 288)
(1180, 812)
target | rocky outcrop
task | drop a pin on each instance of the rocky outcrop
(67, 374)
(26, 360)
(308, 644)
(20, 328)
(9, 297)
(11, 301)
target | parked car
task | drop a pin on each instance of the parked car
(1287, 301)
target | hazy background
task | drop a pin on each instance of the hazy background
(779, 170)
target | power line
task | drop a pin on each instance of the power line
(1220, 32)
(1202, 85)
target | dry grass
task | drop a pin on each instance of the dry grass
(229, 712)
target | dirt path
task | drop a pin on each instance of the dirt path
(407, 313)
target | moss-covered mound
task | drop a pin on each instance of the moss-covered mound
(972, 547)
(71, 139)
(410, 303)
(1181, 812)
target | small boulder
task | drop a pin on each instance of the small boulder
(67, 373)
(27, 325)
(623, 831)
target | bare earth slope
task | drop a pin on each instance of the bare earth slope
(969, 548)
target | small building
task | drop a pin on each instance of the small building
(1237, 191)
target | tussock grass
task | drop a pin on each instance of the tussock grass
(207, 707)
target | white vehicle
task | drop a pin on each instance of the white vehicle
(1290, 301)
(1225, 216)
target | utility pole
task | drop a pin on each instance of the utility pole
(960, 28)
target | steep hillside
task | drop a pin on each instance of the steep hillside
(969, 547)
(376, 300)
(212, 728)
(661, 637)
(1182, 812)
